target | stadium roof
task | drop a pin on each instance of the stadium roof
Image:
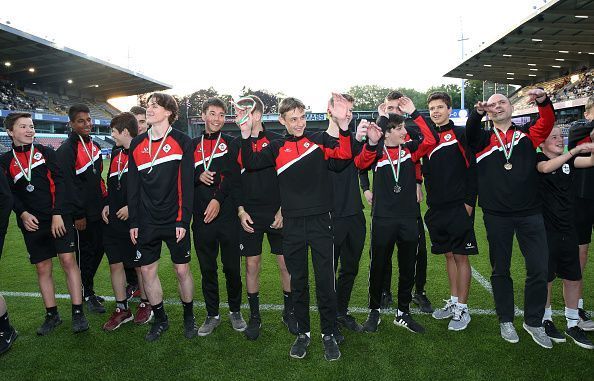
(556, 41)
(54, 65)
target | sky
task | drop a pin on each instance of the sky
(304, 48)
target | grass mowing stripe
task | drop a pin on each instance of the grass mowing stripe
(263, 307)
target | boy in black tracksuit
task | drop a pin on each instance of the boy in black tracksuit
(301, 164)
(7, 332)
(39, 195)
(348, 223)
(259, 212)
(81, 162)
(215, 221)
(395, 207)
(584, 202)
(508, 183)
(450, 173)
(160, 195)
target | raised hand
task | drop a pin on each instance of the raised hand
(381, 109)
(483, 107)
(339, 109)
(374, 134)
(538, 95)
(406, 105)
(362, 130)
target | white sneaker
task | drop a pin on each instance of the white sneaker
(508, 332)
(539, 336)
(446, 312)
(460, 320)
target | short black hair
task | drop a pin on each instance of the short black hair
(392, 95)
(440, 95)
(215, 102)
(138, 110)
(11, 119)
(394, 121)
(75, 109)
(125, 121)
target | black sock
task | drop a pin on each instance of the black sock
(188, 308)
(288, 301)
(122, 304)
(52, 310)
(254, 301)
(159, 311)
(77, 309)
(4, 322)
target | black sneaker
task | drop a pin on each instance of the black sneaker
(372, 321)
(157, 329)
(100, 299)
(552, 332)
(50, 323)
(299, 347)
(190, 329)
(79, 323)
(331, 351)
(406, 321)
(585, 323)
(7, 338)
(291, 322)
(94, 304)
(338, 336)
(423, 302)
(386, 300)
(349, 322)
(252, 332)
(579, 337)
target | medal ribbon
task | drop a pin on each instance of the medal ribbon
(121, 172)
(506, 153)
(206, 166)
(87, 150)
(395, 172)
(158, 149)
(26, 174)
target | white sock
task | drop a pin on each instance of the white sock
(462, 306)
(454, 299)
(572, 317)
(548, 314)
(581, 303)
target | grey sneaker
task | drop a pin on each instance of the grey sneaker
(299, 347)
(460, 320)
(209, 325)
(446, 312)
(508, 332)
(237, 321)
(579, 337)
(585, 322)
(552, 332)
(50, 323)
(539, 336)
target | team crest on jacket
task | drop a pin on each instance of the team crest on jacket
(402, 153)
(222, 147)
(287, 150)
(306, 144)
(166, 148)
(447, 137)
(264, 145)
(37, 156)
(565, 168)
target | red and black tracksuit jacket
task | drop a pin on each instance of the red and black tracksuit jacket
(87, 194)
(387, 203)
(117, 190)
(513, 192)
(259, 188)
(225, 177)
(449, 169)
(48, 196)
(583, 183)
(305, 185)
(164, 196)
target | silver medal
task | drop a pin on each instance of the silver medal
(30, 188)
(508, 166)
(397, 188)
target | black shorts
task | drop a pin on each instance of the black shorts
(584, 220)
(150, 239)
(564, 257)
(41, 245)
(118, 246)
(250, 244)
(451, 230)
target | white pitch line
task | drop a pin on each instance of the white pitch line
(263, 307)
